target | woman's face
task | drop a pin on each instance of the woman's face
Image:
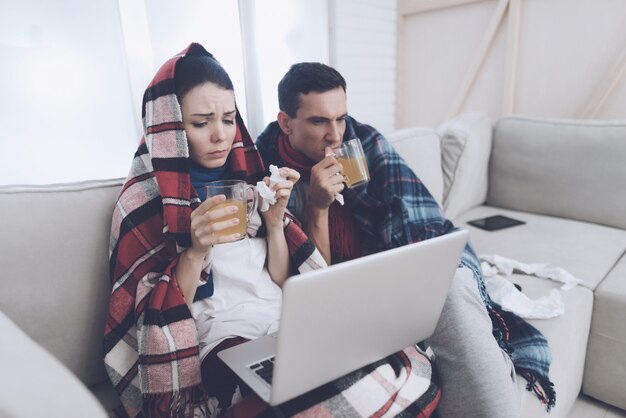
(209, 122)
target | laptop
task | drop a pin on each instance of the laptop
(343, 317)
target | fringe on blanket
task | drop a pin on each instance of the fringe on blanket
(542, 388)
(187, 403)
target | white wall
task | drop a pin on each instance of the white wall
(363, 50)
(568, 59)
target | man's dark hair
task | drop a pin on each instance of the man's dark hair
(304, 78)
(195, 70)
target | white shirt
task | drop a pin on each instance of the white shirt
(245, 303)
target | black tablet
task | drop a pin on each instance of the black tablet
(493, 223)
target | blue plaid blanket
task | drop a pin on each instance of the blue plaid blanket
(396, 209)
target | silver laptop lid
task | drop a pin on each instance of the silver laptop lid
(343, 317)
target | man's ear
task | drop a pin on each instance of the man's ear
(283, 121)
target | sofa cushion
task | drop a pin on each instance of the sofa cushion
(465, 149)
(35, 384)
(570, 169)
(55, 268)
(567, 336)
(421, 149)
(605, 367)
(588, 251)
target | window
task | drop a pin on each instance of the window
(73, 73)
(66, 109)
(285, 32)
(214, 24)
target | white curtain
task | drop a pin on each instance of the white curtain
(279, 34)
(65, 107)
(73, 73)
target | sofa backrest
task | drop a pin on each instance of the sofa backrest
(451, 160)
(421, 149)
(54, 259)
(465, 149)
(566, 168)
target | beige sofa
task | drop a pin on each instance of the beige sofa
(55, 288)
(565, 179)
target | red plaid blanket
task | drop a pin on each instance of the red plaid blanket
(150, 342)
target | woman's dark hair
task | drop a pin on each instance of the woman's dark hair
(194, 70)
(304, 78)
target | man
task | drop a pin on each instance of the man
(473, 340)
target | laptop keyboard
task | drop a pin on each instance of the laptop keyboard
(264, 369)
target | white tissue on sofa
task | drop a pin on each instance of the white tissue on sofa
(505, 294)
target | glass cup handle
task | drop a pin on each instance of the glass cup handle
(255, 200)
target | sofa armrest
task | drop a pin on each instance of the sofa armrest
(35, 384)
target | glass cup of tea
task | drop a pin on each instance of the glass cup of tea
(238, 193)
(351, 156)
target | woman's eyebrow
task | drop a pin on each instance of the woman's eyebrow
(230, 112)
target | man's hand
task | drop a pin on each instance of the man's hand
(326, 181)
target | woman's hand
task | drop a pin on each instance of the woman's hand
(204, 227)
(274, 215)
(277, 250)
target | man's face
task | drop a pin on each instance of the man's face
(319, 123)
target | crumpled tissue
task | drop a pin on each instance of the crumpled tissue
(267, 194)
(505, 294)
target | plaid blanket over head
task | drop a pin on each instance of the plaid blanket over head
(150, 340)
(396, 209)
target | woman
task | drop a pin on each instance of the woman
(166, 322)
(246, 300)
(162, 243)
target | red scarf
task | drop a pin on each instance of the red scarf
(343, 234)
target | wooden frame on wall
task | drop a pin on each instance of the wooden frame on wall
(503, 9)
(408, 8)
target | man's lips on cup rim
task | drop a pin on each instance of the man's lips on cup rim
(333, 153)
